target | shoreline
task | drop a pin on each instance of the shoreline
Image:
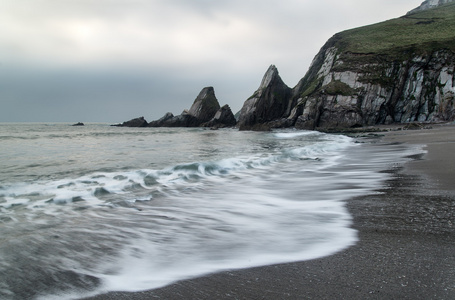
(406, 242)
(439, 163)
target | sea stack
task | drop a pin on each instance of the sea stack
(367, 76)
(205, 106)
(270, 102)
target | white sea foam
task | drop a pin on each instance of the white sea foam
(91, 188)
(294, 134)
(210, 201)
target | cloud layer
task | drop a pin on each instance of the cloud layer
(110, 60)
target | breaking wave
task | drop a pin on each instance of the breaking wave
(217, 201)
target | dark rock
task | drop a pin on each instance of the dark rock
(137, 122)
(257, 127)
(205, 106)
(78, 124)
(203, 110)
(354, 84)
(223, 118)
(418, 89)
(160, 122)
(269, 103)
(183, 120)
(280, 123)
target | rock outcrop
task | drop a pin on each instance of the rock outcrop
(398, 71)
(205, 111)
(223, 118)
(367, 76)
(205, 106)
(182, 120)
(137, 122)
(270, 102)
(162, 121)
(419, 88)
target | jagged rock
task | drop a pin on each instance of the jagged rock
(160, 122)
(137, 122)
(405, 81)
(223, 118)
(183, 120)
(205, 106)
(203, 110)
(420, 88)
(366, 76)
(271, 101)
(78, 124)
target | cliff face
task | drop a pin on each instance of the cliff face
(420, 88)
(397, 71)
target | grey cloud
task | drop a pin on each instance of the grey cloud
(110, 60)
(108, 95)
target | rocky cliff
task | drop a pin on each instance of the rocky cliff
(398, 71)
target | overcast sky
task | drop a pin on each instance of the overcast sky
(113, 60)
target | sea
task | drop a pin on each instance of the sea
(86, 210)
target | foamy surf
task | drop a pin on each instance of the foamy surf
(95, 188)
(219, 200)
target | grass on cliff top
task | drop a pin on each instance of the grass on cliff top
(420, 32)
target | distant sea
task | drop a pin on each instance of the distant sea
(91, 209)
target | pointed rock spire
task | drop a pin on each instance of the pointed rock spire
(270, 76)
(268, 103)
(205, 106)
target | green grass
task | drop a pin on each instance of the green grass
(420, 32)
(339, 88)
(369, 50)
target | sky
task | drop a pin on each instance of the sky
(114, 60)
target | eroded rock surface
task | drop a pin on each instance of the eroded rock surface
(205, 106)
(223, 118)
(366, 76)
(270, 102)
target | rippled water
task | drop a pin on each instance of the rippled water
(86, 210)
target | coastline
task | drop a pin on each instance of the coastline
(405, 249)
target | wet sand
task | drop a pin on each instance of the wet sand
(406, 247)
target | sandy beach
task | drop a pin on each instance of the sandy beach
(406, 247)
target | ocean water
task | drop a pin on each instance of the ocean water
(87, 210)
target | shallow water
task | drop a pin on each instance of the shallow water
(86, 210)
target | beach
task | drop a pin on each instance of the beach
(406, 242)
